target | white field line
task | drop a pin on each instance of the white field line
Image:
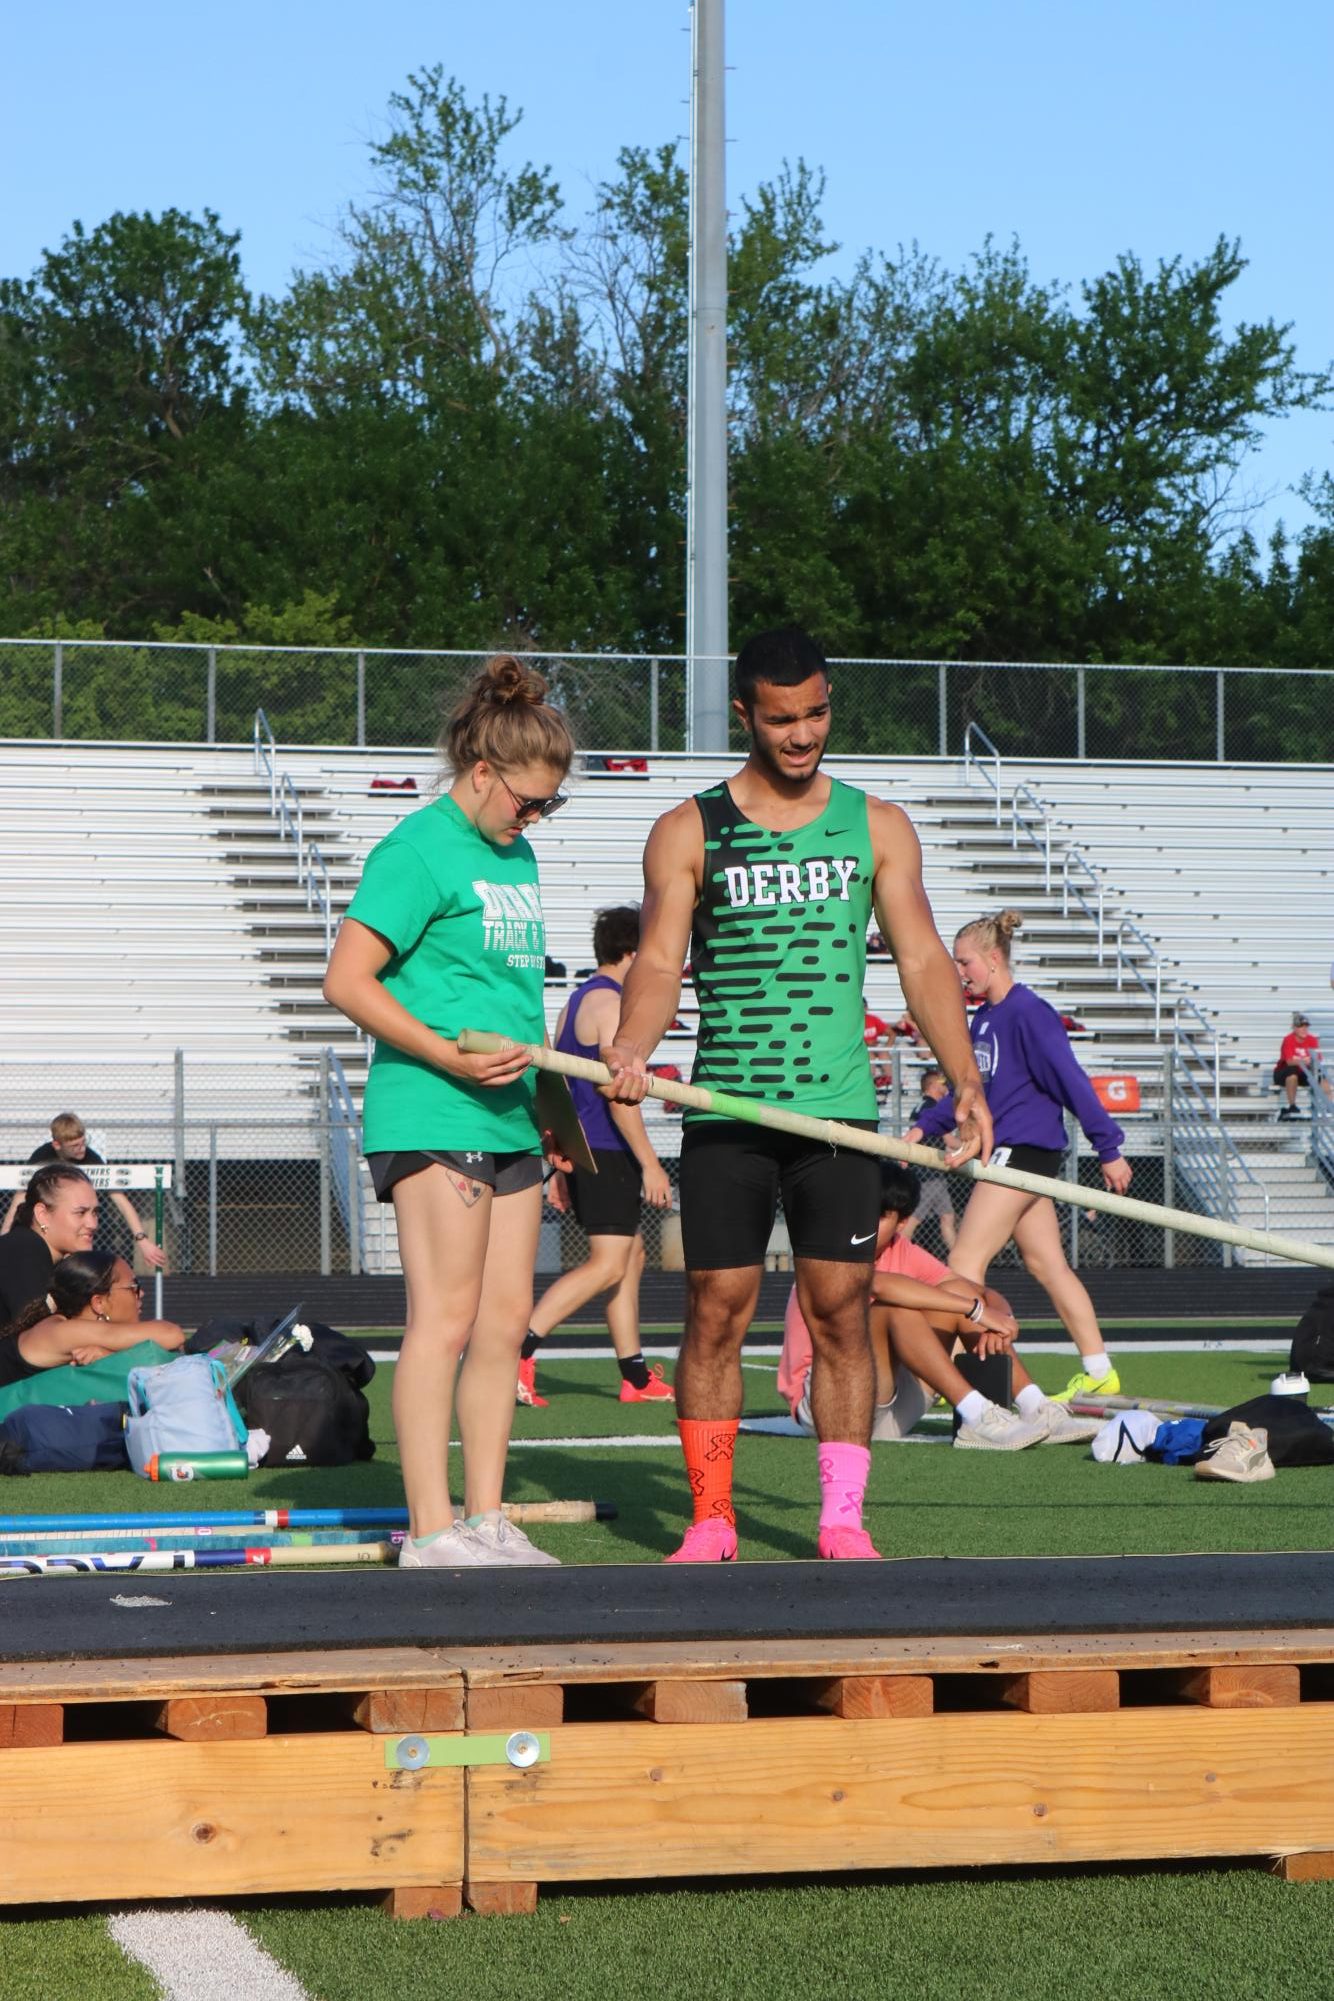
(754, 1357)
(202, 1956)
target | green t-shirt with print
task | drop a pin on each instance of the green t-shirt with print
(464, 918)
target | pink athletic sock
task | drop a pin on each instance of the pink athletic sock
(843, 1474)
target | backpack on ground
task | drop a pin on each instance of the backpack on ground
(1297, 1435)
(314, 1415)
(55, 1438)
(1313, 1343)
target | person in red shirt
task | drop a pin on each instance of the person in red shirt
(1294, 1064)
(879, 1038)
(919, 1308)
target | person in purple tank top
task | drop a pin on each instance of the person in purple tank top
(606, 1203)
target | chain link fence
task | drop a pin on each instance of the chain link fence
(87, 690)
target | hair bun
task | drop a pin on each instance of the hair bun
(1010, 921)
(508, 681)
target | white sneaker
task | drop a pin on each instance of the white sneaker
(1241, 1457)
(454, 1549)
(1062, 1427)
(999, 1430)
(500, 1541)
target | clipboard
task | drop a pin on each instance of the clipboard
(556, 1115)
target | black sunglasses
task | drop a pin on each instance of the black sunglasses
(543, 808)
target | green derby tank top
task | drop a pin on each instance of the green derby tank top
(778, 956)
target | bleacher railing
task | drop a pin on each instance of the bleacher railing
(312, 873)
(1204, 1156)
(162, 691)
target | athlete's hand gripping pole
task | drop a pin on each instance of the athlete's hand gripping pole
(834, 1133)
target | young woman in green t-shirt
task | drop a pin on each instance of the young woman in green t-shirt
(445, 932)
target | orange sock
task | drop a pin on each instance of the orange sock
(708, 1444)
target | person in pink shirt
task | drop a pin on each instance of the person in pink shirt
(919, 1309)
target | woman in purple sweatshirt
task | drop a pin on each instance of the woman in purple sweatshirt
(1032, 1079)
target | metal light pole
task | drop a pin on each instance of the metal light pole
(706, 497)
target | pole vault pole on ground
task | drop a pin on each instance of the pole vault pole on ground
(833, 1133)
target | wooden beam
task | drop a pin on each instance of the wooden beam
(953, 1790)
(689, 1701)
(870, 1695)
(391, 1711)
(212, 1719)
(534, 1706)
(1315, 1866)
(423, 1900)
(504, 1899)
(31, 1723)
(307, 1812)
(1065, 1692)
(1277, 1686)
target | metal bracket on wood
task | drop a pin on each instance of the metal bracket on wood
(520, 1748)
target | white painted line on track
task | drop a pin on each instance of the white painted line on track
(202, 1956)
(659, 1438)
(755, 1357)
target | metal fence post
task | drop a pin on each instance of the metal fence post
(943, 709)
(213, 1201)
(58, 691)
(361, 701)
(211, 700)
(1219, 757)
(1081, 714)
(178, 1177)
(1225, 1191)
(1072, 1141)
(653, 671)
(353, 1205)
(1169, 1155)
(326, 1218)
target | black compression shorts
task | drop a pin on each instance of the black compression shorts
(733, 1174)
(607, 1203)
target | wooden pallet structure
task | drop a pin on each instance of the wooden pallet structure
(446, 1776)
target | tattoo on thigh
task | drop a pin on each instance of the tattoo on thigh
(469, 1192)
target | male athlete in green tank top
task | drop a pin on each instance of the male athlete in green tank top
(770, 881)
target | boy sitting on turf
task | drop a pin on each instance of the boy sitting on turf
(919, 1308)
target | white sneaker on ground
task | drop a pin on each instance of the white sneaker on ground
(1242, 1457)
(500, 1541)
(1062, 1427)
(999, 1430)
(456, 1548)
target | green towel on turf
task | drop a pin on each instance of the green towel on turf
(106, 1381)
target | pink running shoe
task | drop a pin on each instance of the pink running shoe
(839, 1545)
(525, 1390)
(656, 1390)
(706, 1542)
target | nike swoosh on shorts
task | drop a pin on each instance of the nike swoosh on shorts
(866, 1239)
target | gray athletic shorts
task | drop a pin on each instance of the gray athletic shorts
(504, 1173)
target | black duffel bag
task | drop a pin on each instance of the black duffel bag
(1297, 1436)
(311, 1404)
(1313, 1343)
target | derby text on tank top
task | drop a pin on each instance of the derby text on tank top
(778, 955)
(600, 1130)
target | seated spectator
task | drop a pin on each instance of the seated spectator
(908, 1029)
(918, 1310)
(58, 1215)
(68, 1144)
(879, 1038)
(1294, 1064)
(90, 1310)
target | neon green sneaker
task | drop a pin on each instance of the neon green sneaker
(1089, 1386)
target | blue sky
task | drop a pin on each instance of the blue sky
(1150, 126)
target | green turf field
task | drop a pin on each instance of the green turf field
(1095, 1933)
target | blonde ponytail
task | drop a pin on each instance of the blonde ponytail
(504, 718)
(994, 933)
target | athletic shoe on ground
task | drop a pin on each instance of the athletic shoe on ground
(1242, 1457)
(1090, 1386)
(1000, 1430)
(656, 1390)
(1062, 1427)
(502, 1542)
(842, 1545)
(457, 1549)
(526, 1388)
(706, 1542)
